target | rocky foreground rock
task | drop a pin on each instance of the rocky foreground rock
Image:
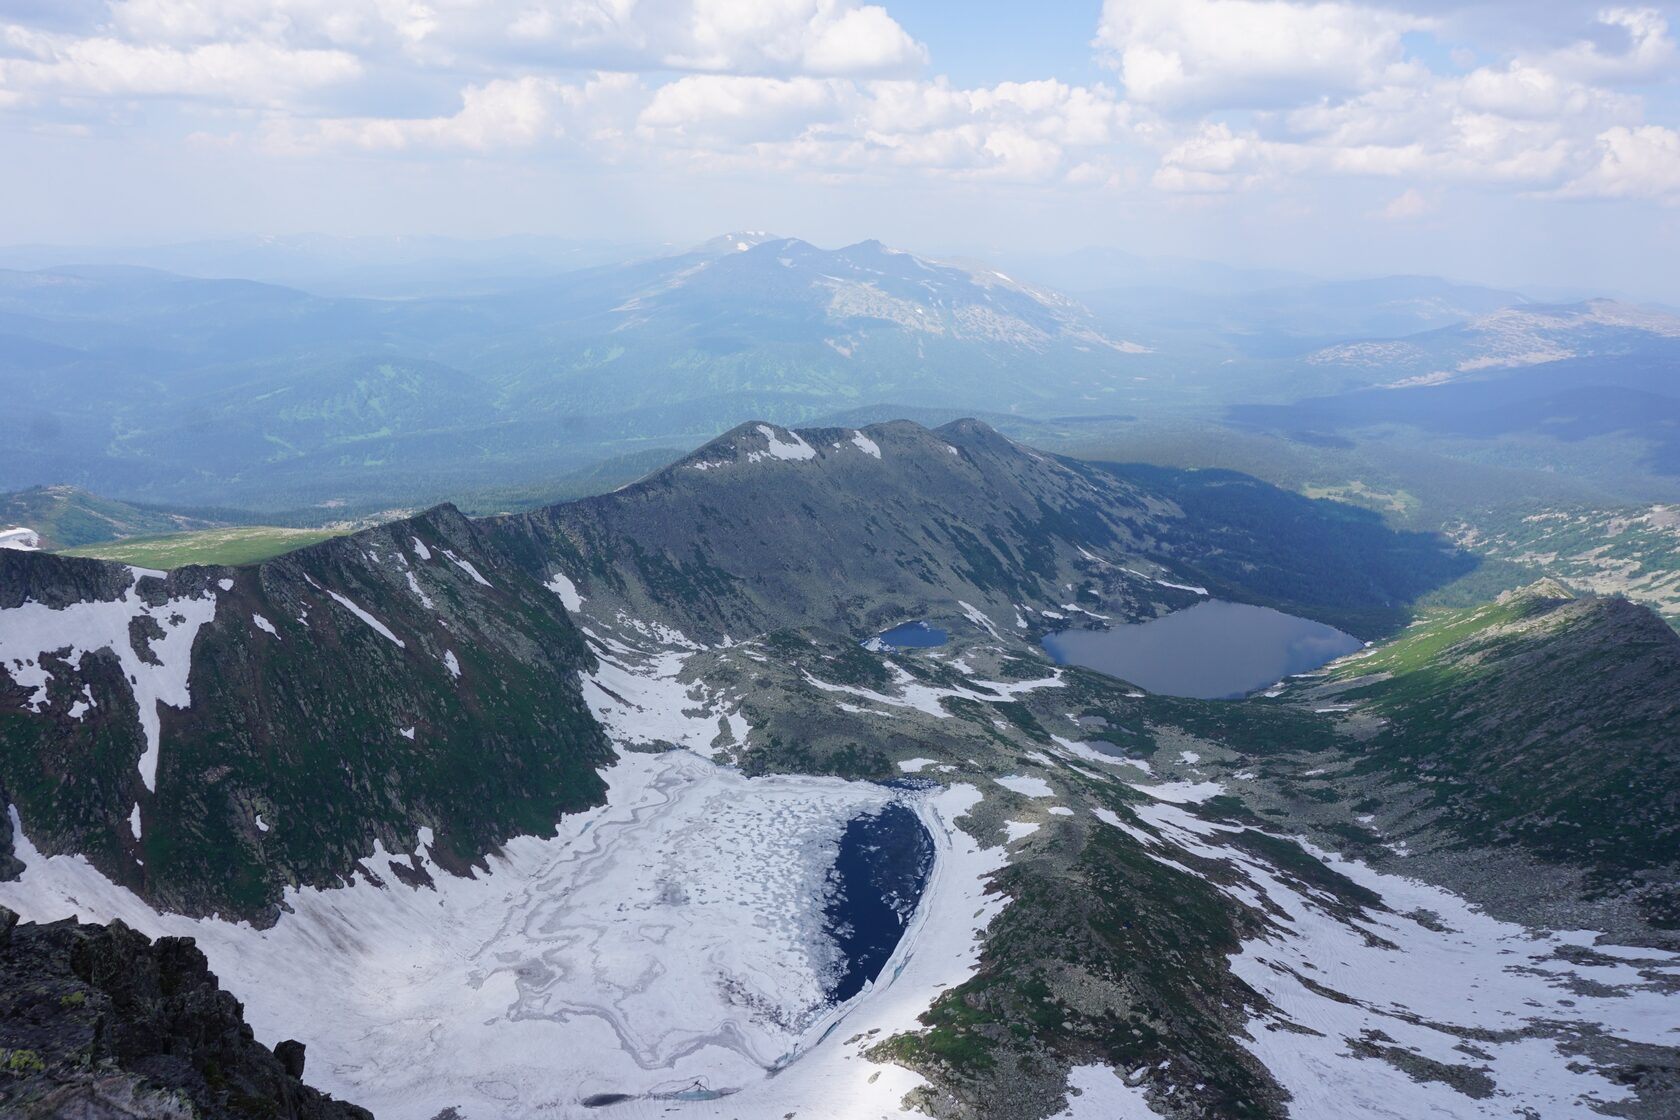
(101, 1023)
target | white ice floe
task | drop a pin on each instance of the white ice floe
(32, 629)
(567, 590)
(377, 626)
(1025, 785)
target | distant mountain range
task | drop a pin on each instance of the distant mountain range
(1556, 376)
(151, 385)
(172, 390)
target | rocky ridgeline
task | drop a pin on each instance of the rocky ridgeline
(358, 691)
(101, 1023)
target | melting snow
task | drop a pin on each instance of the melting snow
(31, 629)
(1016, 830)
(452, 664)
(567, 590)
(378, 627)
(777, 449)
(419, 592)
(1099, 1092)
(866, 445)
(420, 549)
(1026, 786)
(264, 625)
(528, 989)
(466, 566)
(1520, 998)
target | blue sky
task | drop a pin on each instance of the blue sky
(1498, 141)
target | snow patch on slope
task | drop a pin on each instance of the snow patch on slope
(866, 445)
(567, 590)
(1432, 979)
(32, 629)
(792, 449)
(377, 626)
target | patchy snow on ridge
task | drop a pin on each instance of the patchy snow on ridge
(866, 445)
(1355, 1003)
(377, 626)
(777, 448)
(419, 592)
(466, 566)
(1026, 786)
(567, 590)
(32, 630)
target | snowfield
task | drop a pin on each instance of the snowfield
(668, 946)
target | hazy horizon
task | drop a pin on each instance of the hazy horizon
(1495, 143)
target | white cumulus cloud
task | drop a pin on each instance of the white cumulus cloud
(1210, 53)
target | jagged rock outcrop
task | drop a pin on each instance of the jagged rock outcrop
(100, 1023)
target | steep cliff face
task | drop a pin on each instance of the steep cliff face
(100, 1023)
(211, 736)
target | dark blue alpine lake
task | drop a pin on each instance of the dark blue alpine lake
(912, 635)
(1214, 650)
(878, 879)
